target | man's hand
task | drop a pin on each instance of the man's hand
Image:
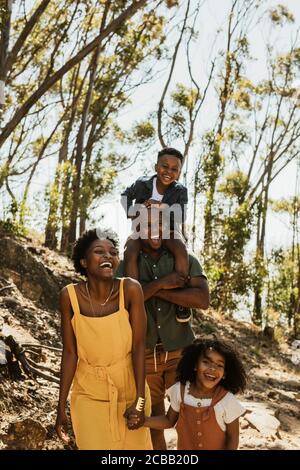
(173, 281)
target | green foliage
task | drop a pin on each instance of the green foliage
(12, 224)
(287, 205)
(143, 131)
(281, 15)
(229, 273)
(235, 185)
(282, 292)
(3, 12)
(185, 97)
(242, 99)
(12, 228)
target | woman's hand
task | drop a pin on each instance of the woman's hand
(133, 421)
(135, 418)
(61, 426)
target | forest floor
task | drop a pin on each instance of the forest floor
(28, 405)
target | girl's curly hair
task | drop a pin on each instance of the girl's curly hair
(235, 374)
(83, 243)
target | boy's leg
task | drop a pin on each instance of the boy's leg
(177, 247)
(131, 254)
(179, 251)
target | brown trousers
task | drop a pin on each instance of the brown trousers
(161, 374)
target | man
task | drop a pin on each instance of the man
(164, 291)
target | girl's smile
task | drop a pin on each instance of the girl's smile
(210, 370)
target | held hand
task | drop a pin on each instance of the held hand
(133, 421)
(135, 418)
(61, 426)
(173, 281)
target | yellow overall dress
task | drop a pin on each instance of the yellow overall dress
(104, 385)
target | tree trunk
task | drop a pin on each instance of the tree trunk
(79, 150)
(4, 44)
(52, 225)
(194, 212)
(297, 308)
(260, 247)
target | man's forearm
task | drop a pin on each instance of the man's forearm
(191, 297)
(151, 288)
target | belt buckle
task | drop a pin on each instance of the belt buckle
(100, 372)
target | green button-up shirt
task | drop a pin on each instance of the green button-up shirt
(162, 325)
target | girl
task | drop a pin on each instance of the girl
(202, 402)
(103, 327)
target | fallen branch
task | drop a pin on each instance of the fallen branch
(10, 286)
(40, 346)
(40, 366)
(29, 367)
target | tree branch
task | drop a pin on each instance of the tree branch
(50, 81)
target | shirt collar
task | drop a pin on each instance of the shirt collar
(147, 255)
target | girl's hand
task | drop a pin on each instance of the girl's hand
(133, 421)
(135, 418)
(61, 426)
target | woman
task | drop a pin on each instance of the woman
(103, 329)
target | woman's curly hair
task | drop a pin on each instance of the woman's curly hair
(83, 243)
(235, 374)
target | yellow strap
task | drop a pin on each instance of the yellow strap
(73, 299)
(121, 295)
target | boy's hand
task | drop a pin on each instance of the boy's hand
(149, 202)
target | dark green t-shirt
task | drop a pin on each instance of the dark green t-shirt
(162, 325)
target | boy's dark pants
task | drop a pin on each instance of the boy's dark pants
(161, 374)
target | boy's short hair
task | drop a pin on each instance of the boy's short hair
(170, 151)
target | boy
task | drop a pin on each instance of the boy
(161, 188)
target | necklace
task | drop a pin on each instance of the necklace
(104, 303)
(200, 399)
